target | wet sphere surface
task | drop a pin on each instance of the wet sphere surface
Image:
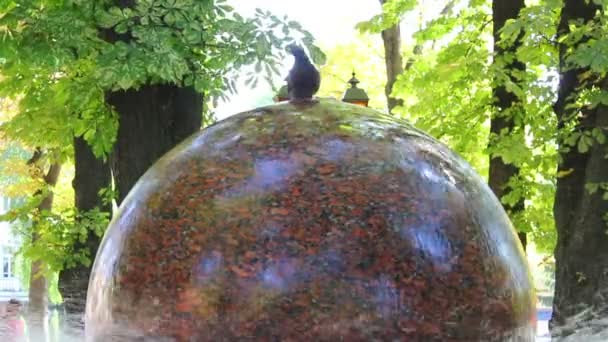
(319, 221)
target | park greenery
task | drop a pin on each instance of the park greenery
(59, 61)
(456, 64)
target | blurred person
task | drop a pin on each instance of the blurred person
(13, 326)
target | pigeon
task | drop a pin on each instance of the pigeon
(304, 79)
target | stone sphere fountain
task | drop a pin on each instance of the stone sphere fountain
(311, 221)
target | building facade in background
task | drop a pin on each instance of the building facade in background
(10, 285)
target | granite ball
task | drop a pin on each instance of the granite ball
(311, 221)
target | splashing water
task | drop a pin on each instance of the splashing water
(55, 327)
(59, 327)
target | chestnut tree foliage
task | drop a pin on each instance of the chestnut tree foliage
(447, 91)
(557, 139)
(60, 59)
(55, 58)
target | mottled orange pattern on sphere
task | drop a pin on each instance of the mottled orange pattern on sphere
(311, 221)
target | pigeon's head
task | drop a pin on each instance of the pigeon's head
(297, 51)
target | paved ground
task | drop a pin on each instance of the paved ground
(542, 327)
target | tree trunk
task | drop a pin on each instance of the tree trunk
(38, 300)
(394, 61)
(581, 253)
(152, 120)
(391, 38)
(91, 175)
(38, 289)
(506, 104)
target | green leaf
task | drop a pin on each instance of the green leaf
(599, 135)
(583, 145)
(592, 188)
